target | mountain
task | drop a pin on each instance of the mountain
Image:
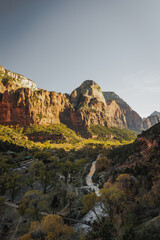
(129, 118)
(155, 113)
(89, 102)
(151, 120)
(23, 104)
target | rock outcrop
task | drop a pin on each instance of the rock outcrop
(89, 103)
(150, 121)
(96, 107)
(155, 113)
(13, 81)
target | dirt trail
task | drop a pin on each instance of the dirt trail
(15, 232)
(11, 204)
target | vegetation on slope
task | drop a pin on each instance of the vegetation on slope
(56, 133)
(12, 139)
(52, 177)
(115, 133)
(152, 133)
(130, 190)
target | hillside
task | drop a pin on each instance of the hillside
(102, 132)
(14, 140)
(135, 172)
(55, 133)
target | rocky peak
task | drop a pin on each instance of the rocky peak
(12, 81)
(150, 121)
(88, 90)
(155, 113)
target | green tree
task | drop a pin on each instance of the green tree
(15, 182)
(43, 174)
(89, 202)
(32, 203)
(112, 200)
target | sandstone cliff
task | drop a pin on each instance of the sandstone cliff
(24, 107)
(89, 103)
(94, 108)
(22, 104)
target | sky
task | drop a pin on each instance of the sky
(61, 43)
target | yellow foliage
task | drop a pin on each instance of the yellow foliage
(35, 226)
(26, 237)
(52, 227)
(89, 201)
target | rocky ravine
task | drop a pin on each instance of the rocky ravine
(22, 103)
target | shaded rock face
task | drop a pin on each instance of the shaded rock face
(150, 121)
(155, 113)
(126, 117)
(116, 117)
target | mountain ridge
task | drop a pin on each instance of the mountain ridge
(22, 103)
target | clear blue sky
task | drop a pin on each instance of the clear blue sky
(60, 43)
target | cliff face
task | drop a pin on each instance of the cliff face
(127, 117)
(89, 104)
(24, 107)
(22, 104)
(150, 121)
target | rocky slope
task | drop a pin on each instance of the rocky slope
(151, 120)
(128, 118)
(21, 103)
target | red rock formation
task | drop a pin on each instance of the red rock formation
(24, 107)
(22, 104)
